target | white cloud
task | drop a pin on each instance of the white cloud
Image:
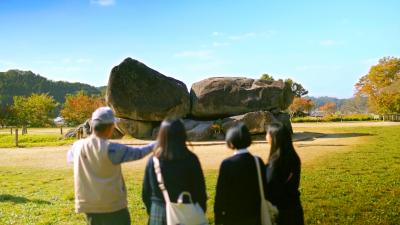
(328, 43)
(216, 33)
(242, 36)
(220, 44)
(103, 2)
(318, 67)
(200, 54)
(7, 63)
(84, 60)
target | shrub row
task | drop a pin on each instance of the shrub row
(333, 118)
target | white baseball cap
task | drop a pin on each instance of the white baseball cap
(103, 115)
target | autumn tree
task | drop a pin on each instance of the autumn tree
(329, 107)
(79, 107)
(36, 110)
(381, 85)
(300, 106)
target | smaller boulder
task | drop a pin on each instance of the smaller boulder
(86, 130)
(197, 130)
(136, 128)
(284, 118)
(255, 121)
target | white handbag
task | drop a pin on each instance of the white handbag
(269, 213)
(179, 213)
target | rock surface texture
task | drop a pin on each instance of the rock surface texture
(220, 97)
(138, 92)
(142, 97)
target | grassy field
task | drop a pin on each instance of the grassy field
(354, 182)
(36, 137)
(33, 140)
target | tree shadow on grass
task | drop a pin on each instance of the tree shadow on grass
(21, 200)
(347, 135)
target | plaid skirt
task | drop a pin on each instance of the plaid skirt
(158, 215)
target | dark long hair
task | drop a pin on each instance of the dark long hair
(171, 140)
(282, 155)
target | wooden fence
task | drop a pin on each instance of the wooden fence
(391, 117)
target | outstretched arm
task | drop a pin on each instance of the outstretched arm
(119, 153)
(70, 153)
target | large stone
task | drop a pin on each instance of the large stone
(220, 97)
(135, 128)
(255, 121)
(138, 92)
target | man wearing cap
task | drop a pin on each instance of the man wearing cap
(100, 190)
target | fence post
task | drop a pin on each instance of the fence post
(11, 130)
(16, 137)
(61, 130)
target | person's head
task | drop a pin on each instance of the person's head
(102, 122)
(171, 140)
(280, 139)
(238, 137)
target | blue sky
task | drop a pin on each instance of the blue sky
(325, 45)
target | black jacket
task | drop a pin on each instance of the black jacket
(283, 191)
(238, 198)
(179, 175)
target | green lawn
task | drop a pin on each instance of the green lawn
(358, 186)
(33, 140)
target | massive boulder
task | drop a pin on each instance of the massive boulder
(138, 92)
(219, 97)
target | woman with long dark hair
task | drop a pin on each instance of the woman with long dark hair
(180, 169)
(283, 175)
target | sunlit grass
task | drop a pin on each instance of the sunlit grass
(358, 186)
(33, 140)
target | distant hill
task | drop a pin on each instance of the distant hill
(320, 101)
(24, 83)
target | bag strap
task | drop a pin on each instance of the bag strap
(260, 183)
(160, 179)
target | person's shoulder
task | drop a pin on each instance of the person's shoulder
(229, 161)
(192, 156)
(78, 143)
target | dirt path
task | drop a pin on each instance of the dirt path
(309, 147)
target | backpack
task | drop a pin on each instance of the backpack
(179, 213)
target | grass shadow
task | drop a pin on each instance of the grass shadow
(21, 200)
(347, 135)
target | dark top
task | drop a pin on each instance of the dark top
(179, 176)
(238, 198)
(283, 184)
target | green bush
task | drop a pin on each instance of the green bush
(333, 118)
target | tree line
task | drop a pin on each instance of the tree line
(24, 83)
(39, 110)
(376, 92)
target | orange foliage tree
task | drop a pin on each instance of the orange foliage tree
(381, 85)
(300, 105)
(329, 107)
(79, 107)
